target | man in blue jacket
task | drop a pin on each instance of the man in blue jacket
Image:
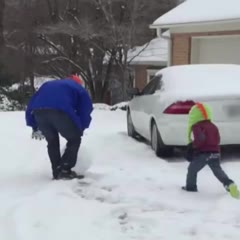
(60, 107)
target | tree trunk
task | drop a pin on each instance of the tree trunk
(97, 98)
(2, 7)
(125, 82)
(31, 78)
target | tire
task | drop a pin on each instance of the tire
(130, 127)
(160, 149)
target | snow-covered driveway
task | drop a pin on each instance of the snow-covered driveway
(128, 192)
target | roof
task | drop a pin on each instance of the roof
(153, 53)
(200, 11)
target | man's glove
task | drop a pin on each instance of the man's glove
(37, 134)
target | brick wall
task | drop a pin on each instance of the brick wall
(181, 45)
(140, 76)
(181, 49)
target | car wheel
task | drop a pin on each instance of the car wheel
(130, 127)
(157, 144)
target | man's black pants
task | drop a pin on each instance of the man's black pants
(52, 123)
(199, 162)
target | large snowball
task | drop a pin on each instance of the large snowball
(84, 160)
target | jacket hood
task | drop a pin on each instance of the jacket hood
(76, 79)
(199, 112)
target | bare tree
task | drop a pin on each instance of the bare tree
(94, 38)
(90, 37)
(21, 38)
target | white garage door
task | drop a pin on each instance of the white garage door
(221, 49)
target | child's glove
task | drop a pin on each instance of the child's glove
(37, 134)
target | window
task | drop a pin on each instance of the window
(152, 86)
(151, 74)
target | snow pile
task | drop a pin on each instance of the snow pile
(192, 82)
(84, 160)
(118, 106)
(122, 106)
(193, 11)
(154, 51)
(101, 106)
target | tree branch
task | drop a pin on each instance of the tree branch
(143, 49)
(85, 77)
(50, 43)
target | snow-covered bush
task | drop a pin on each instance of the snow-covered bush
(14, 98)
(7, 104)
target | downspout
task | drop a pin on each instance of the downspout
(169, 39)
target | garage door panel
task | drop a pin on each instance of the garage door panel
(216, 50)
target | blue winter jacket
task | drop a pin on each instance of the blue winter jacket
(64, 95)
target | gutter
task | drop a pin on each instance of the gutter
(160, 63)
(169, 39)
(154, 26)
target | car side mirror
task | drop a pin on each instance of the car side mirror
(134, 92)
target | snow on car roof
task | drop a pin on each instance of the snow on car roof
(190, 82)
(195, 11)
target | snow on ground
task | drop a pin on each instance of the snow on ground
(128, 193)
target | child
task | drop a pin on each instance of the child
(204, 149)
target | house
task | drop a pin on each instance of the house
(146, 60)
(202, 32)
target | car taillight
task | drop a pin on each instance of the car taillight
(179, 107)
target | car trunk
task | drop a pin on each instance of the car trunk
(225, 109)
(216, 85)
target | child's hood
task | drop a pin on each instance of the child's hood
(199, 112)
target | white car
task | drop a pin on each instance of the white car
(159, 112)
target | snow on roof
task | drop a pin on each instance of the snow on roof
(195, 11)
(200, 81)
(156, 51)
